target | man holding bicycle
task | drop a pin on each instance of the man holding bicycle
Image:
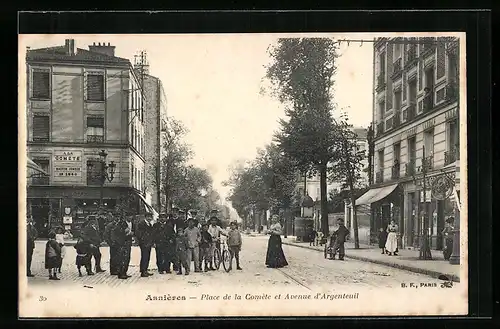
(215, 231)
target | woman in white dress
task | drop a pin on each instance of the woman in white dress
(275, 257)
(392, 238)
(60, 240)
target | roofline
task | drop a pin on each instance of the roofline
(79, 62)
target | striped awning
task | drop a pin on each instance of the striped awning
(32, 165)
(375, 194)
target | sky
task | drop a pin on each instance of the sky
(212, 83)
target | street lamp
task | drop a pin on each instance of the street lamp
(107, 172)
(425, 249)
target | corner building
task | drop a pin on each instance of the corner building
(416, 116)
(80, 102)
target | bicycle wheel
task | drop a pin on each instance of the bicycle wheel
(217, 258)
(226, 260)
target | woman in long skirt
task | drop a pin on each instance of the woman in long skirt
(275, 257)
(391, 244)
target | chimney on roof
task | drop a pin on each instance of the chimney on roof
(70, 47)
(103, 49)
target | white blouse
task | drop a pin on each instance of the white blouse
(276, 229)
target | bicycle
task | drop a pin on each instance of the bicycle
(222, 253)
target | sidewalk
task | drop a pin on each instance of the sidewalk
(406, 260)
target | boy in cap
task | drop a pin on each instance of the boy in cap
(234, 244)
(193, 236)
(181, 250)
(205, 247)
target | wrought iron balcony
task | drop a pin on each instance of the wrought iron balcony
(428, 46)
(95, 139)
(451, 91)
(397, 68)
(379, 176)
(428, 163)
(451, 156)
(428, 103)
(410, 168)
(396, 119)
(381, 81)
(380, 128)
(40, 180)
(395, 171)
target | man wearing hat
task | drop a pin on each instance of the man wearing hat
(181, 220)
(145, 237)
(31, 235)
(91, 235)
(113, 247)
(164, 238)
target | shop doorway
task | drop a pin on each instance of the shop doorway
(40, 211)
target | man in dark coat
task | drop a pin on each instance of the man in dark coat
(341, 235)
(164, 239)
(172, 219)
(145, 237)
(121, 236)
(31, 235)
(91, 235)
(113, 247)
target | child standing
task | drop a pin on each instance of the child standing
(52, 256)
(205, 247)
(60, 240)
(234, 244)
(83, 257)
(313, 238)
(382, 239)
(181, 250)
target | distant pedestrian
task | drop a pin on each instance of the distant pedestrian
(193, 236)
(313, 237)
(31, 235)
(60, 239)
(391, 244)
(52, 256)
(275, 257)
(91, 235)
(234, 243)
(83, 257)
(382, 239)
(181, 250)
(341, 235)
(145, 238)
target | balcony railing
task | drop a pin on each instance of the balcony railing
(381, 81)
(380, 128)
(397, 68)
(428, 45)
(379, 176)
(451, 91)
(451, 156)
(428, 104)
(396, 120)
(428, 163)
(395, 171)
(40, 180)
(410, 168)
(95, 139)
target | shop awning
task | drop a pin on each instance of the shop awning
(32, 165)
(375, 194)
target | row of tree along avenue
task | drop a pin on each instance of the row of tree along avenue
(186, 186)
(309, 141)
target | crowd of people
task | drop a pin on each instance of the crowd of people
(178, 243)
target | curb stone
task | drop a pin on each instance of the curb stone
(431, 273)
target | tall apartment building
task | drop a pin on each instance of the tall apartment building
(415, 111)
(80, 102)
(155, 131)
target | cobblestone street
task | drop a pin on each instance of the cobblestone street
(307, 269)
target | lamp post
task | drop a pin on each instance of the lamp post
(455, 255)
(107, 172)
(425, 249)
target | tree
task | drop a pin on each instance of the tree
(301, 77)
(347, 167)
(177, 153)
(188, 187)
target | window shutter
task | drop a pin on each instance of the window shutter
(41, 83)
(389, 69)
(41, 126)
(440, 59)
(420, 74)
(85, 83)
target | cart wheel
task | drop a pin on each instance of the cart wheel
(226, 260)
(217, 258)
